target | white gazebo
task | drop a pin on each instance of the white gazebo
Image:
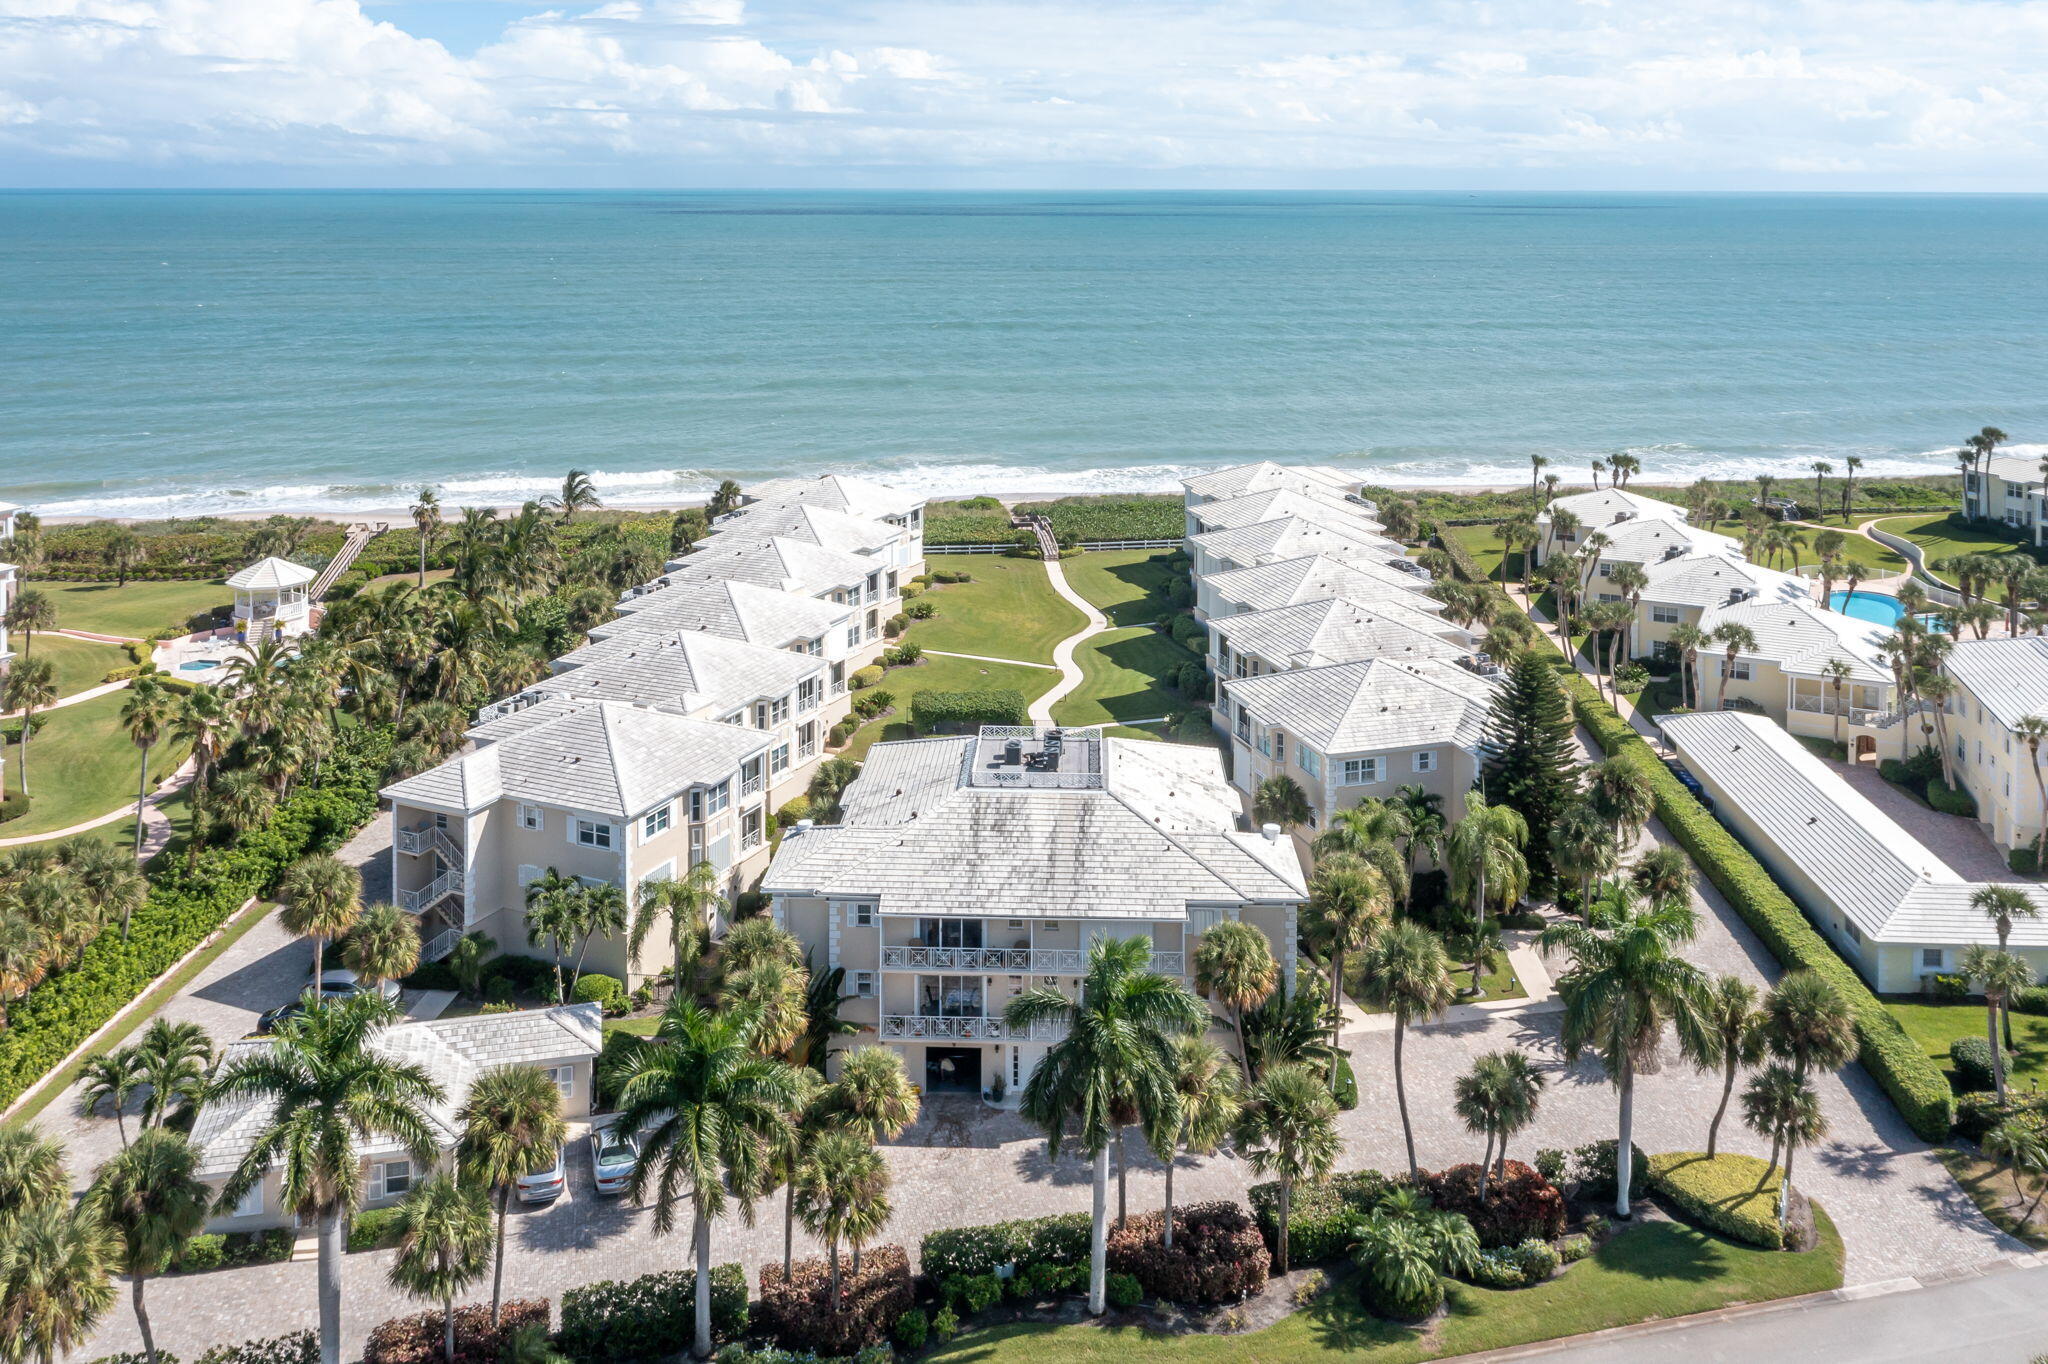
(273, 599)
(10, 517)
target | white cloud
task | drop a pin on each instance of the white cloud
(1898, 90)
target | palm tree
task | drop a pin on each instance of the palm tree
(426, 519)
(151, 1198)
(107, 878)
(444, 1246)
(466, 960)
(1280, 800)
(54, 1286)
(383, 945)
(1625, 982)
(1731, 1037)
(28, 685)
(1210, 1089)
(823, 998)
(1837, 671)
(1687, 640)
(245, 802)
(1348, 902)
(1735, 639)
(1599, 468)
(692, 904)
(724, 500)
(1424, 812)
(775, 991)
(1623, 796)
(1407, 974)
(1850, 466)
(810, 1117)
(1497, 1098)
(842, 1194)
(172, 1059)
(1780, 1104)
(1999, 975)
(1377, 832)
(554, 914)
(1485, 853)
(1112, 1067)
(1809, 1022)
(2032, 730)
(110, 1078)
(326, 1088)
(510, 1125)
(1582, 847)
(322, 896)
(707, 1106)
(1536, 465)
(600, 913)
(31, 1174)
(1234, 962)
(1289, 1130)
(124, 549)
(2002, 903)
(578, 494)
(202, 725)
(873, 1094)
(2021, 1147)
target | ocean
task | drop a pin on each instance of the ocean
(173, 353)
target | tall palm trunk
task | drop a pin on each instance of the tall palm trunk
(1728, 1065)
(1785, 1191)
(330, 1287)
(1485, 1163)
(1991, 1012)
(1479, 919)
(448, 1328)
(142, 1319)
(1401, 1090)
(1166, 1233)
(1336, 1010)
(1121, 1165)
(1286, 1202)
(700, 1233)
(141, 797)
(1624, 1150)
(832, 1258)
(788, 1228)
(1098, 1237)
(498, 1270)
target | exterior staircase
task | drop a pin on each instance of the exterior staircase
(344, 558)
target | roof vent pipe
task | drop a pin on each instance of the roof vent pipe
(1271, 831)
(804, 826)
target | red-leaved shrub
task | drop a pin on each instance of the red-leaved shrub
(799, 1313)
(1520, 1203)
(1217, 1254)
(417, 1339)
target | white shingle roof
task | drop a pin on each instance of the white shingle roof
(1886, 881)
(2016, 468)
(606, 758)
(1315, 577)
(1710, 580)
(1801, 637)
(690, 670)
(1252, 508)
(271, 574)
(838, 492)
(1157, 836)
(1648, 540)
(1264, 476)
(1290, 537)
(1339, 631)
(783, 564)
(1597, 509)
(803, 521)
(742, 611)
(1377, 704)
(2009, 677)
(453, 1052)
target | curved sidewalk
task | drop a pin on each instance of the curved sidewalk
(156, 825)
(1063, 652)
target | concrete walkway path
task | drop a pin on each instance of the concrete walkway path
(1063, 652)
(156, 825)
(76, 698)
(98, 638)
(990, 658)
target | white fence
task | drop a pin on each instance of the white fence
(1006, 547)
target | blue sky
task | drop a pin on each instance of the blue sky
(1536, 94)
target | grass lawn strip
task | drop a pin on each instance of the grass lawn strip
(1989, 1185)
(1940, 538)
(1128, 586)
(1648, 1272)
(1934, 1024)
(1123, 674)
(80, 664)
(81, 765)
(944, 674)
(137, 610)
(1008, 611)
(160, 994)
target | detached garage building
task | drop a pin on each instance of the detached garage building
(1888, 904)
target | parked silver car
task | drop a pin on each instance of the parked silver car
(612, 1156)
(545, 1186)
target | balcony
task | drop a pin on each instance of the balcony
(1036, 961)
(965, 1028)
(1855, 715)
(433, 893)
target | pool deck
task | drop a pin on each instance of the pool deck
(214, 649)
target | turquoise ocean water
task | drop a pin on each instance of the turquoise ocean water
(164, 352)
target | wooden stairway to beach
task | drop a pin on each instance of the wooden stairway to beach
(358, 536)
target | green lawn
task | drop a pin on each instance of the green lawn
(1935, 1024)
(80, 663)
(1652, 1270)
(1123, 678)
(944, 674)
(1008, 611)
(1989, 1185)
(1126, 585)
(135, 610)
(1499, 983)
(1485, 547)
(1940, 538)
(81, 765)
(1865, 551)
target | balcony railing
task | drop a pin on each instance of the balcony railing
(967, 1028)
(750, 786)
(1856, 715)
(433, 893)
(441, 944)
(423, 838)
(1037, 961)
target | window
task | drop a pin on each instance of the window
(716, 798)
(861, 915)
(530, 817)
(778, 759)
(949, 932)
(839, 676)
(864, 984)
(1606, 570)
(778, 710)
(1309, 761)
(565, 1079)
(852, 635)
(1266, 742)
(1425, 761)
(1931, 958)
(750, 828)
(809, 693)
(1361, 771)
(656, 823)
(760, 715)
(591, 834)
(251, 1204)
(1279, 746)
(807, 738)
(1244, 723)
(874, 623)
(390, 1179)
(750, 776)
(1664, 615)
(1738, 671)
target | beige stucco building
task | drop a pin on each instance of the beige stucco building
(2010, 491)
(1787, 675)
(1999, 683)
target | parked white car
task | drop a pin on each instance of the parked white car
(545, 1186)
(612, 1156)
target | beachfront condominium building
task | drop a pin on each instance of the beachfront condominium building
(855, 497)
(1252, 508)
(2010, 491)
(1893, 908)
(1264, 476)
(1681, 591)
(1352, 731)
(965, 871)
(1313, 577)
(1608, 511)
(1999, 684)
(1289, 537)
(1335, 630)
(562, 1042)
(1817, 672)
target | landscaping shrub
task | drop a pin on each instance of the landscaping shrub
(1161, 517)
(737, 1353)
(972, 1293)
(13, 805)
(919, 610)
(1978, 1113)
(184, 906)
(799, 1314)
(2025, 861)
(1189, 634)
(297, 1347)
(2032, 1000)
(1593, 1170)
(1951, 800)
(966, 523)
(1538, 1258)
(951, 575)
(1971, 1058)
(1520, 1203)
(417, 1339)
(962, 1252)
(1383, 1301)
(1045, 1279)
(1217, 1254)
(1345, 1091)
(893, 627)
(865, 677)
(373, 1227)
(1554, 1165)
(930, 710)
(1123, 1290)
(1318, 1220)
(902, 656)
(911, 591)
(1727, 1194)
(868, 704)
(841, 732)
(911, 1329)
(1949, 985)
(1498, 1269)
(607, 992)
(946, 1324)
(650, 1317)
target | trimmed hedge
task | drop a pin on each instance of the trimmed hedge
(1727, 1194)
(1971, 1059)
(183, 907)
(13, 805)
(417, 1339)
(650, 1317)
(1318, 1219)
(990, 706)
(299, 1347)
(962, 1252)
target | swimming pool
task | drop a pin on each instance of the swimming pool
(1880, 608)
(198, 665)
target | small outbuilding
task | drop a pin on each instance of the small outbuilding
(273, 599)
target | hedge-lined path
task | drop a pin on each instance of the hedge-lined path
(1071, 675)
(89, 694)
(156, 825)
(988, 658)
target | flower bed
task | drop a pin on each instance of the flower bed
(1217, 1254)
(800, 1314)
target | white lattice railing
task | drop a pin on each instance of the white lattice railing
(1038, 961)
(441, 944)
(425, 838)
(426, 897)
(966, 1029)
